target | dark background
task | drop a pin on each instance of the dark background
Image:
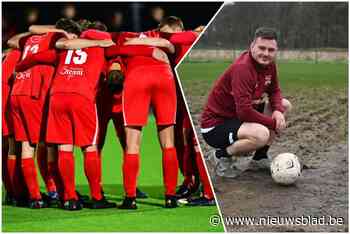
(135, 16)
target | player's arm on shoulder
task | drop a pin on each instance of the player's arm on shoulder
(160, 55)
(41, 29)
(79, 43)
(183, 38)
(14, 41)
(151, 41)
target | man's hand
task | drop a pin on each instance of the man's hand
(199, 29)
(106, 43)
(280, 121)
(160, 55)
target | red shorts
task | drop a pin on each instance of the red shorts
(106, 111)
(29, 118)
(72, 120)
(145, 86)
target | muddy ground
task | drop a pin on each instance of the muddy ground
(317, 134)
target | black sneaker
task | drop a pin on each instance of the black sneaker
(201, 201)
(129, 203)
(171, 202)
(37, 204)
(72, 205)
(140, 194)
(101, 204)
(51, 199)
(183, 192)
(82, 197)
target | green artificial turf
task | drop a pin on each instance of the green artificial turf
(150, 216)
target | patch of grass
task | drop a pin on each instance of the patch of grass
(150, 216)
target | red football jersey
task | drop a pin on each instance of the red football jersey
(135, 61)
(182, 42)
(8, 68)
(79, 71)
(29, 82)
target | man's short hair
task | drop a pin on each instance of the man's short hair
(68, 25)
(265, 33)
(172, 21)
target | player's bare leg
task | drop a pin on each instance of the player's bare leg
(251, 136)
(232, 160)
(131, 166)
(170, 164)
(30, 175)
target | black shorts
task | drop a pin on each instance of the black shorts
(224, 134)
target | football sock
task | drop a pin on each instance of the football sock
(170, 170)
(52, 169)
(261, 153)
(44, 170)
(30, 177)
(66, 169)
(19, 185)
(187, 167)
(222, 153)
(131, 167)
(207, 191)
(99, 153)
(93, 173)
(10, 175)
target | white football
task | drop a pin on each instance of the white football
(285, 168)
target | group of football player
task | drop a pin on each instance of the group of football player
(63, 83)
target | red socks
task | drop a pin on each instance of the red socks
(53, 171)
(131, 168)
(207, 191)
(9, 168)
(170, 170)
(188, 170)
(66, 169)
(46, 174)
(92, 168)
(30, 177)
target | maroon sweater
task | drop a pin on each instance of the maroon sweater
(236, 94)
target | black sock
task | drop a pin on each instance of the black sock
(222, 153)
(261, 153)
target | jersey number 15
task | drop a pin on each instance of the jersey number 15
(77, 56)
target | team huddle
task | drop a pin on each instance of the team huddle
(63, 83)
